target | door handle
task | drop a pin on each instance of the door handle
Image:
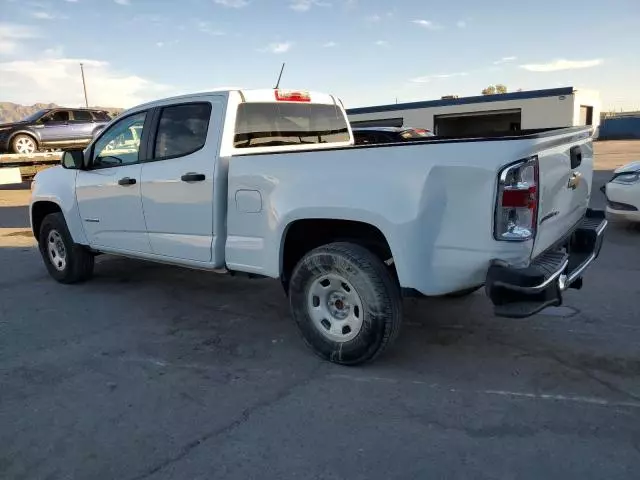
(127, 181)
(193, 177)
(575, 154)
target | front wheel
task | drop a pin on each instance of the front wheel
(65, 261)
(24, 144)
(345, 302)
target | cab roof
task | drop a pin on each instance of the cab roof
(248, 95)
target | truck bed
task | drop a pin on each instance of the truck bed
(436, 204)
(531, 134)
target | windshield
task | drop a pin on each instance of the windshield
(34, 116)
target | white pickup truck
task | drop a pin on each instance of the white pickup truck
(269, 183)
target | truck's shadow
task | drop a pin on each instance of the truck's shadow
(436, 331)
(14, 217)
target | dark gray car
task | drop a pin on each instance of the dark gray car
(373, 135)
(52, 129)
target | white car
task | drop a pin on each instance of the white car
(269, 183)
(623, 193)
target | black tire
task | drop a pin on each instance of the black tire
(374, 284)
(463, 293)
(78, 261)
(22, 137)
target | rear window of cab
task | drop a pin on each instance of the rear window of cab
(280, 124)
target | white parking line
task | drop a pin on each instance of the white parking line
(562, 398)
(374, 379)
(604, 329)
(499, 393)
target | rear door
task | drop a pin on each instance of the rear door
(565, 176)
(100, 118)
(178, 182)
(82, 124)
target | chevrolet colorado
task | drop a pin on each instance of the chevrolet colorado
(269, 183)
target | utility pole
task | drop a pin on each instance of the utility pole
(84, 86)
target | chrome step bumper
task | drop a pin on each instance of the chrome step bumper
(518, 292)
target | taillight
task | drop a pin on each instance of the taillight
(292, 96)
(517, 203)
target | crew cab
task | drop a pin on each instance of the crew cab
(52, 128)
(269, 183)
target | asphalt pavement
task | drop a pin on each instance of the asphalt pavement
(155, 372)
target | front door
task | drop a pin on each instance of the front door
(55, 127)
(178, 183)
(108, 190)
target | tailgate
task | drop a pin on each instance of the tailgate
(565, 173)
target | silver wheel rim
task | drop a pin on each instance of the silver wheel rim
(25, 145)
(335, 308)
(56, 250)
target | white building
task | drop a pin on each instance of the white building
(485, 114)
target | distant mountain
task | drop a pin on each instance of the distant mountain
(12, 112)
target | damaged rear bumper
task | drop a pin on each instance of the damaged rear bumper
(519, 292)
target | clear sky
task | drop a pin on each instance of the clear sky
(366, 51)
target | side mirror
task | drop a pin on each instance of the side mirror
(73, 159)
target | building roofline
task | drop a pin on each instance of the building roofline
(500, 97)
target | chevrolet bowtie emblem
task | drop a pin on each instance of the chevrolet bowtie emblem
(574, 180)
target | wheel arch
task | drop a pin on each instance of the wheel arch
(373, 313)
(303, 235)
(24, 132)
(39, 210)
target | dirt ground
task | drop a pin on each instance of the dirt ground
(610, 154)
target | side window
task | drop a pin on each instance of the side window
(182, 130)
(57, 116)
(82, 116)
(60, 116)
(120, 145)
(101, 116)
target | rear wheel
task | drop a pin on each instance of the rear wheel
(66, 261)
(345, 302)
(24, 144)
